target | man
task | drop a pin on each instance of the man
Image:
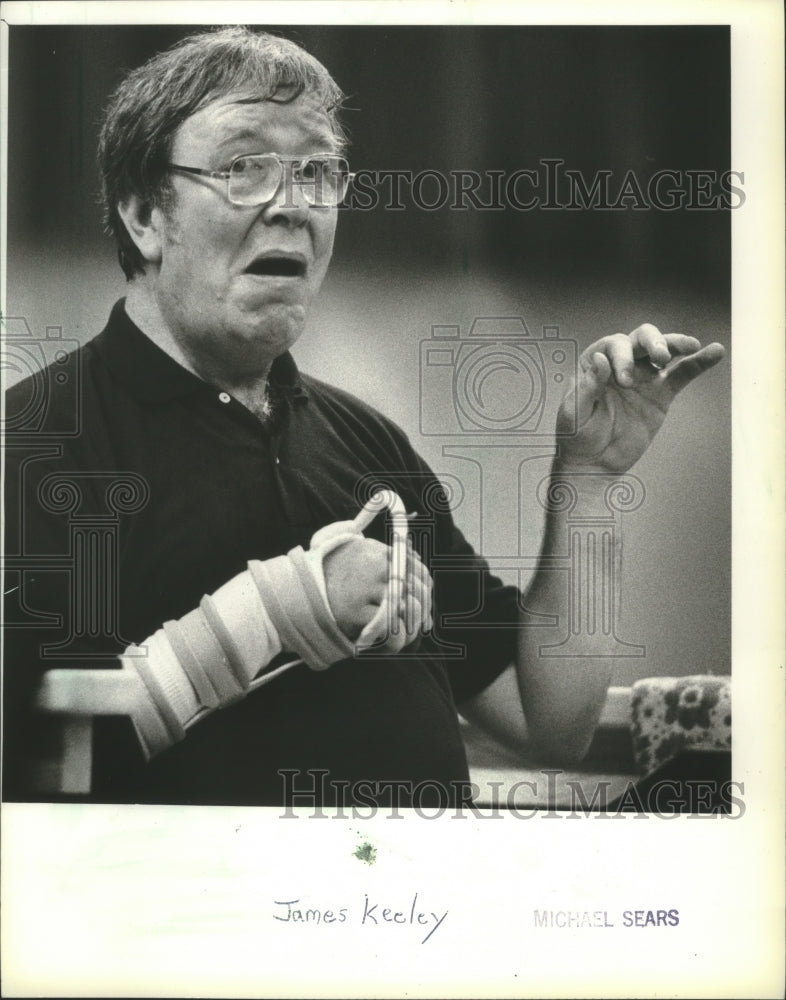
(244, 589)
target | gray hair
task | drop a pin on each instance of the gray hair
(154, 100)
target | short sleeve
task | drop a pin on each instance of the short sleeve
(476, 613)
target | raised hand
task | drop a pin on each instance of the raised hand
(625, 386)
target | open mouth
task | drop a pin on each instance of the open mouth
(273, 266)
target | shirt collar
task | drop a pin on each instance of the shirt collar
(153, 376)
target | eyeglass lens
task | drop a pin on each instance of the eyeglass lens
(254, 180)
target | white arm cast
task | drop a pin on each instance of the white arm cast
(212, 656)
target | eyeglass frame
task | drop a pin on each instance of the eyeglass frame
(295, 163)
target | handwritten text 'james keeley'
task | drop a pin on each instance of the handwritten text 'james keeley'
(374, 914)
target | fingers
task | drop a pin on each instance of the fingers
(397, 580)
(619, 351)
(688, 368)
(646, 343)
(409, 609)
(404, 611)
(680, 344)
(414, 584)
(418, 601)
(418, 577)
(624, 359)
(650, 344)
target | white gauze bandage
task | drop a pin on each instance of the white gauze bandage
(210, 658)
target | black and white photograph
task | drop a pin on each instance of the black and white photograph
(390, 517)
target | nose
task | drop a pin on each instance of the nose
(288, 204)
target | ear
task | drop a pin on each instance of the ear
(143, 223)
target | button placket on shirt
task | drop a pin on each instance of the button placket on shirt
(271, 441)
(285, 481)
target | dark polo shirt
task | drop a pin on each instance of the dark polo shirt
(142, 487)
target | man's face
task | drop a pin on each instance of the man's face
(221, 288)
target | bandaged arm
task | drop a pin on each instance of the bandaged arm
(211, 657)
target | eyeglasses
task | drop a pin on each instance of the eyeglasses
(254, 179)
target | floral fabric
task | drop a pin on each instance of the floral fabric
(672, 713)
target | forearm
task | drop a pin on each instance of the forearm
(211, 657)
(199, 663)
(623, 390)
(566, 645)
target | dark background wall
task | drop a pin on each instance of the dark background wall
(616, 98)
(447, 98)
